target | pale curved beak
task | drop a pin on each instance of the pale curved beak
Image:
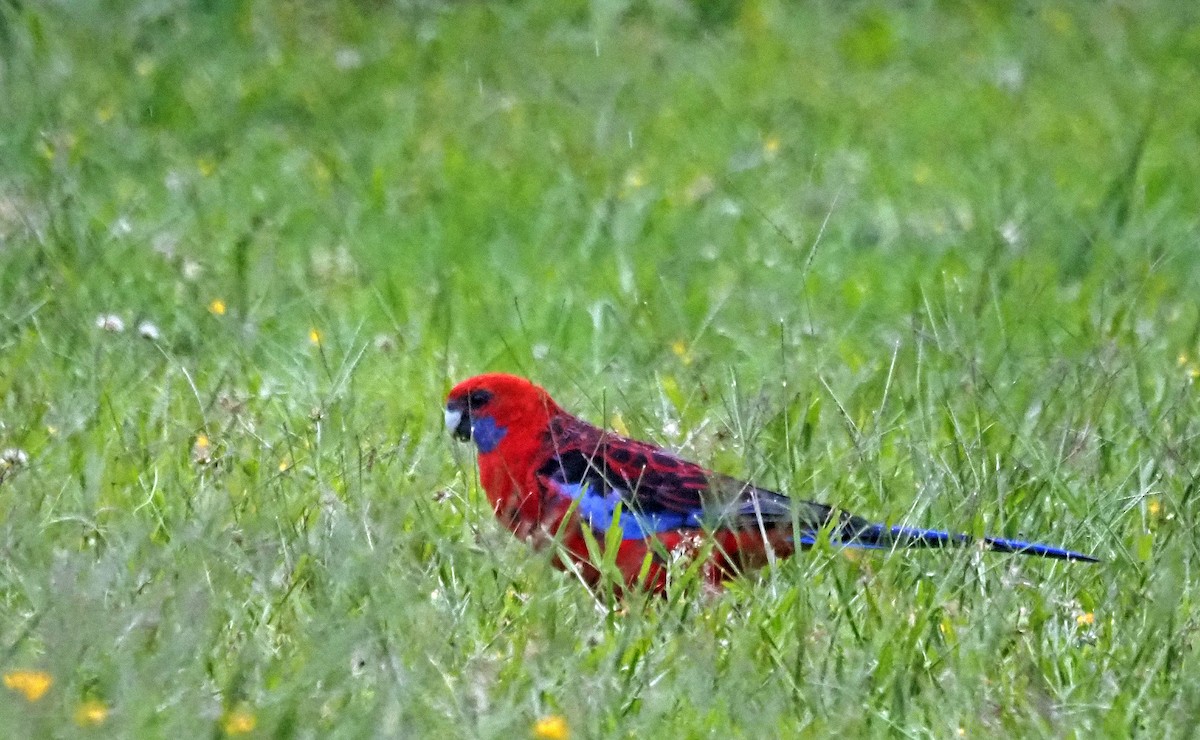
(458, 424)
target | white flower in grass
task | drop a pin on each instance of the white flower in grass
(147, 330)
(1010, 75)
(358, 662)
(110, 322)
(1011, 233)
(121, 227)
(347, 59)
(13, 457)
(175, 181)
(164, 244)
(192, 270)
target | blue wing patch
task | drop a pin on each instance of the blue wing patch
(599, 510)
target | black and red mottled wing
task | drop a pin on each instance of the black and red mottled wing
(657, 490)
(650, 491)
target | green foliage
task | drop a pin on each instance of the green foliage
(934, 263)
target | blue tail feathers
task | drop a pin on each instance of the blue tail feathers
(881, 537)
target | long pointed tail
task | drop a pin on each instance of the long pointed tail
(881, 537)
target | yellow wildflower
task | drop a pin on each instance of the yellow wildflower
(1086, 619)
(551, 727)
(314, 336)
(680, 348)
(1153, 507)
(202, 449)
(238, 722)
(33, 685)
(90, 713)
(217, 307)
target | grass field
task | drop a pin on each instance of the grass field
(936, 264)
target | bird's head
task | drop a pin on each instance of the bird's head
(487, 407)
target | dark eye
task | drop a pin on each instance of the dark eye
(477, 398)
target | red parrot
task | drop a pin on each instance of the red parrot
(552, 476)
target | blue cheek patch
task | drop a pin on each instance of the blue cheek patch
(487, 433)
(598, 511)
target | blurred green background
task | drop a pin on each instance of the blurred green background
(934, 262)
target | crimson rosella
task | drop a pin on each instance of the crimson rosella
(550, 476)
